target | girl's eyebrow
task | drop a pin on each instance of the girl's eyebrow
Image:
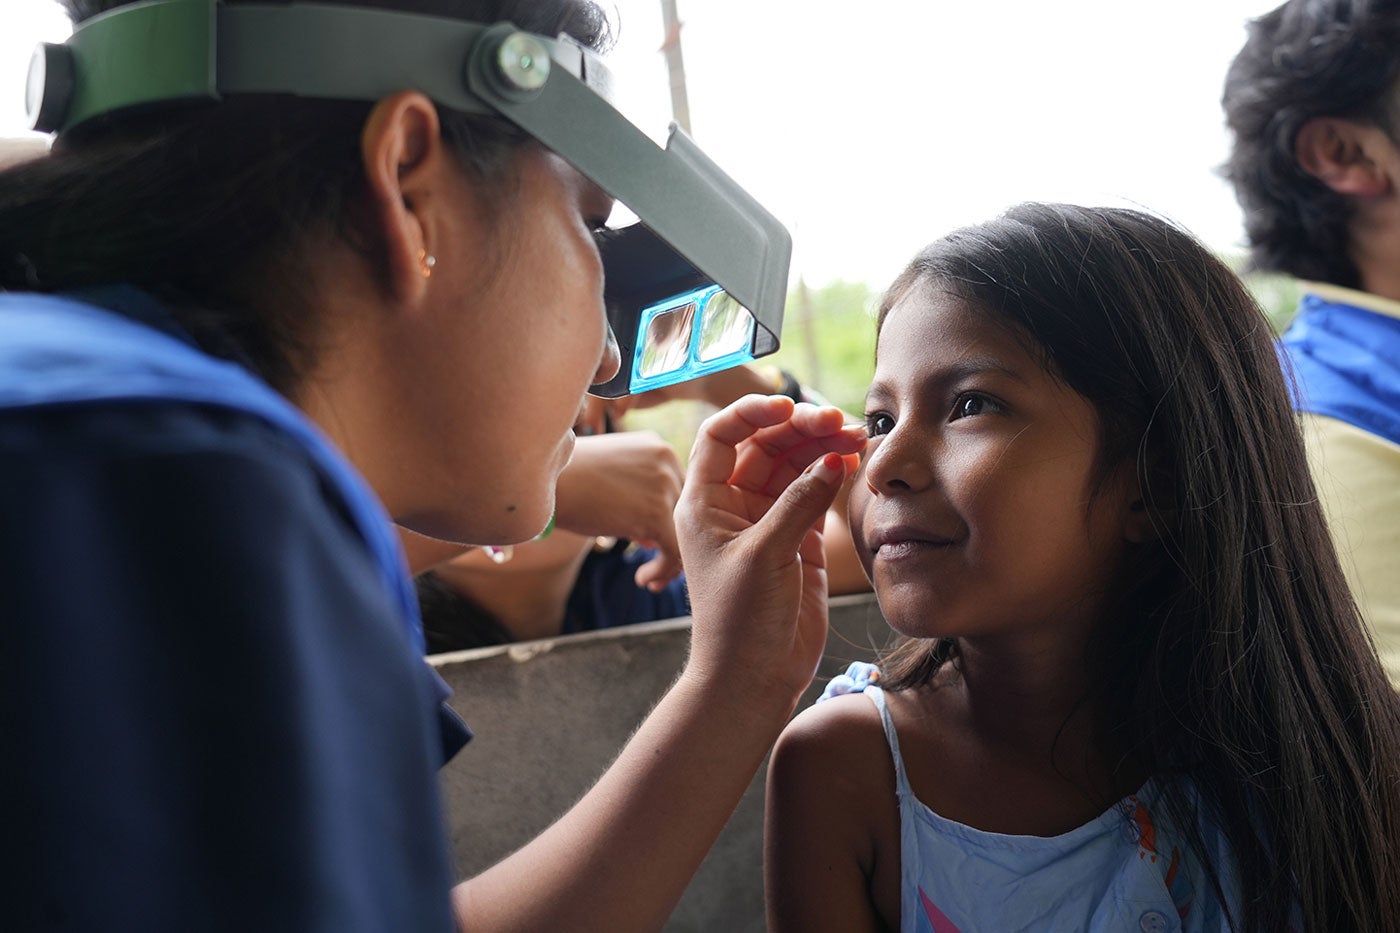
(942, 378)
(977, 366)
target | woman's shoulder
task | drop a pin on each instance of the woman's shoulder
(133, 430)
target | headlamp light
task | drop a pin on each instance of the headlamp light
(701, 242)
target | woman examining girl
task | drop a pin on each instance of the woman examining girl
(239, 337)
(1135, 693)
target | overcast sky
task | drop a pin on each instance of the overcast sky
(871, 128)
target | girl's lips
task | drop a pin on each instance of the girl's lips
(899, 549)
(899, 542)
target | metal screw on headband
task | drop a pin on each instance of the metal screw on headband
(523, 62)
(49, 90)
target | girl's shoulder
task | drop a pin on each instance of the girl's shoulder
(839, 727)
(833, 813)
(851, 724)
(833, 757)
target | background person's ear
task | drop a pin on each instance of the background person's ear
(1344, 155)
(402, 150)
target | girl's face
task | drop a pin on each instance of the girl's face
(974, 511)
(517, 338)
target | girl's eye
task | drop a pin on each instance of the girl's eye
(969, 404)
(877, 423)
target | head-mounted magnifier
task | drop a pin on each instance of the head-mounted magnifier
(698, 285)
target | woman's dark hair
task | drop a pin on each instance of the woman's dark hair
(197, 205)
(1306, 59)
(1236, 661)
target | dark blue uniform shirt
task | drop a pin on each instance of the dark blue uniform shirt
(212, 718)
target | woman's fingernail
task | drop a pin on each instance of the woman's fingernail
(829, 468)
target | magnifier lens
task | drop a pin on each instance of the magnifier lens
(727, 327)
(666, 346)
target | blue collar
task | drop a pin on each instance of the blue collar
(1346, 364)
(119, 343)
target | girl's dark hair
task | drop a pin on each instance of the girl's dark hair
(197, 205)
(1237, 661)
(1305, 59)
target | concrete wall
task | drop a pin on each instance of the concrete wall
(549, 717)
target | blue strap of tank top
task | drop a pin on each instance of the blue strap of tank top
(66, 350)
(1347, 365)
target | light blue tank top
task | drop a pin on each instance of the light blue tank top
(1124, 871)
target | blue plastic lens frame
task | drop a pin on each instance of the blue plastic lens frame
(685, 362)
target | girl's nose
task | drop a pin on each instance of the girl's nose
(898, 463)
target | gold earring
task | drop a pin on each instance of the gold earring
(426, 263)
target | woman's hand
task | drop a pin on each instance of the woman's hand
(625, 486)
(763, 472)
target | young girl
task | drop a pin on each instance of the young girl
(1135, 693)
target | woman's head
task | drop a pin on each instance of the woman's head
(205, 205)
(1233, 651)
(286, 232)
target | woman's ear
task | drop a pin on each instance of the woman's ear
(403, 153)
(1344, 155)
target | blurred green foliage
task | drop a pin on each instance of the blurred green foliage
(829, 341)
(1277, 294)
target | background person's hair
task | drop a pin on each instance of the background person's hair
(1305, 59)
(1234, 658)
(204, 206)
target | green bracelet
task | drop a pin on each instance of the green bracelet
(548, 529)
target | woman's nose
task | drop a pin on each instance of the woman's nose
(610, 362)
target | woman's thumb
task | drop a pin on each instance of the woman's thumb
(805, 502)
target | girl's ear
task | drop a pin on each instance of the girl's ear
(403, 153)
(1344, 155)
(1144, 517)
(1142, 524)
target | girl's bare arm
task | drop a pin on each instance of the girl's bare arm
(831, 837)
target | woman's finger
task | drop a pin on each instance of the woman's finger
(713, 457)
(768, 469)
(794, 517)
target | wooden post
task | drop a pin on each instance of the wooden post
(675, 65)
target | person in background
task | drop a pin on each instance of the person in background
(1313, 106)
(1135, 693)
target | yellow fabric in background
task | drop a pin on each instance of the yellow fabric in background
(1358, 478)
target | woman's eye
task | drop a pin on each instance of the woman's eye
(878, 423)
(973, 403)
